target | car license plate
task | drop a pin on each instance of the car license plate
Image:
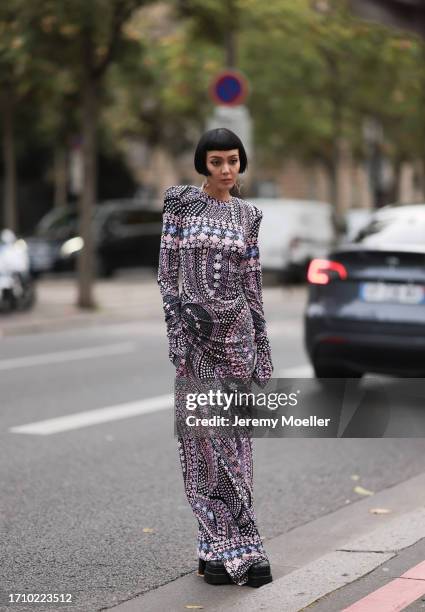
(392, 292)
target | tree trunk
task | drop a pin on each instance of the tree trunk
(395, 191)
(337, 155)
(332, 164)
(60, 176)
(336, 99)
(423, 178)
(336, 179)
(88, 197)
(10, 217)
(333, 177)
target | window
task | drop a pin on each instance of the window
(393, 229)
(58, 224)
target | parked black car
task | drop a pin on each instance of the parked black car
(125, 234)
(366, 305)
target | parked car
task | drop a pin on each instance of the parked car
(17, 290)
(354, 220)
(54, 229)
(293, 233)
(366, 304)
(125, 235)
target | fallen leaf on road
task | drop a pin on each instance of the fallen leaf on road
(355, 477)
(194, 607)
(379, 510)
(362, 491)
(148, 530)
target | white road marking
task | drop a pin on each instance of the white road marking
(73, 355)
(284, 328)
(301, 371)
(94, 417)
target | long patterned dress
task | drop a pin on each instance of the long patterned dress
(216, 330)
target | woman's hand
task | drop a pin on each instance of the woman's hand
(264, 366)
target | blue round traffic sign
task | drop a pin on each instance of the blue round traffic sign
(229, 88)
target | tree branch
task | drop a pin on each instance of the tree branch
(122, 12)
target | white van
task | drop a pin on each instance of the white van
(292, 233)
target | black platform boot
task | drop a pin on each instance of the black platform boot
(215, 573)
(259, 574)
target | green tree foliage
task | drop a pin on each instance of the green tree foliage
(160, 92)
(319, 74)
(315, 72)
(17, 82)
(81, 39)
(316, 75)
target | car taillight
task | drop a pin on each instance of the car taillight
(320, 271)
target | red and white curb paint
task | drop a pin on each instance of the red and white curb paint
(396, 595)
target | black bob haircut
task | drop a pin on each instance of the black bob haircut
(220, 139)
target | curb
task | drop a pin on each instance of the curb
(398, 584)
(337, 569)
(311, 560)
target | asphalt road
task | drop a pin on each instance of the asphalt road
(99, 510)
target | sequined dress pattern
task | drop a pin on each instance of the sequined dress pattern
(216, 330)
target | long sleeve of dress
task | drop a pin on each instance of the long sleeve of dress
(252, 284)
(168, 274)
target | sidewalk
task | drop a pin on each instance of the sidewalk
(325, 565)
(125, 297)
(129, 296)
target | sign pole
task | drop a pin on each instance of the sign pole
(229, 91)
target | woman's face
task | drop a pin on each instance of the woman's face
(223, 167)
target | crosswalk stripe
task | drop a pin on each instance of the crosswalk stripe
(301, 371)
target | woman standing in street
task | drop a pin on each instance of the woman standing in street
(217, 331)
